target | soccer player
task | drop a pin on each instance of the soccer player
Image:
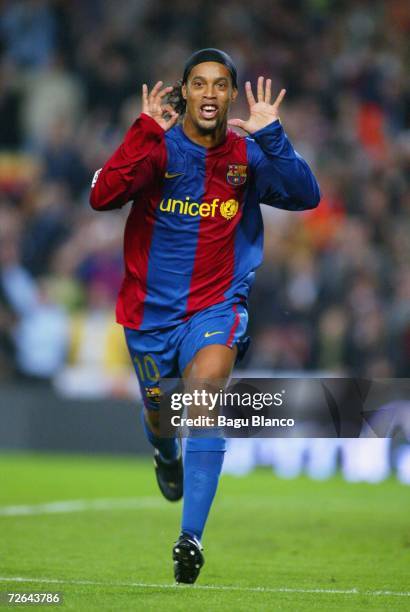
(193, 240)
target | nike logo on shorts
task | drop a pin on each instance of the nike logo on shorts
(209, 334)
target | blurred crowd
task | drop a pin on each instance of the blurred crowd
(334, 291)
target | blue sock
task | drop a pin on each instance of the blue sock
(202, 467)
(168, 447)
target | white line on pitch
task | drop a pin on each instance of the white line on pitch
(82, 505)
(142, 585)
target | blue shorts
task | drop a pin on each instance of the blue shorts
(165, 353)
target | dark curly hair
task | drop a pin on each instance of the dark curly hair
(175, 99)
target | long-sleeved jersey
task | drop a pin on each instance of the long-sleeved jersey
(194, 235)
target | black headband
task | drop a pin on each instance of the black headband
(210, 55)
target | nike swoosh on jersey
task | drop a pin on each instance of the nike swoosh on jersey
(171, 175)
(209, 334)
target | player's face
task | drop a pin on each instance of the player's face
(208, 94)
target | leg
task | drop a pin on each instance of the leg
(204, 455)
(153, 361)
(214, 362)
(207, 355)
(202, 466)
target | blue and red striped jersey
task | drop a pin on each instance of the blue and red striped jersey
(194, 235)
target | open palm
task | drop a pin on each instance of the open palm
(262, 112)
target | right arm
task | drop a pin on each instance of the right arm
(130, 168)
(134, 163)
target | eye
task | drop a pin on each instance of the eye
(222, 85)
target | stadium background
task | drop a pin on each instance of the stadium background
(333, 295)
(79, 507)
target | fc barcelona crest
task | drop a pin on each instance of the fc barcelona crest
(154, 394)
(236, 174)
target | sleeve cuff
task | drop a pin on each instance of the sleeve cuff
(143, 135)
(271, 128)
(273, 141)
(148, 121)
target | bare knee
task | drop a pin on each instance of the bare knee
(209, 372)
(213, 362)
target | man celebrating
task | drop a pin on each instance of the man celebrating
(193, 239)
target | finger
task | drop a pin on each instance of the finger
(164, 92)
(169, 116)
(260, 89)
(167, 108)
(237, 123)
(249, 94)
(268, 91)
(144, 98)
(280, 97)
(155, 90)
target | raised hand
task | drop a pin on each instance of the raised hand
(262, 112)
(163, 114)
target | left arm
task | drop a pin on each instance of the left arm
(283, 177)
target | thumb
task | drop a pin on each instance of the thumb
(237, 123)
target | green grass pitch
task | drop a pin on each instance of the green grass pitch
(269, 544)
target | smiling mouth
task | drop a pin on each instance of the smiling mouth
(208, 111)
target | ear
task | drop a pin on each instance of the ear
(234, 95)
(183, 91)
